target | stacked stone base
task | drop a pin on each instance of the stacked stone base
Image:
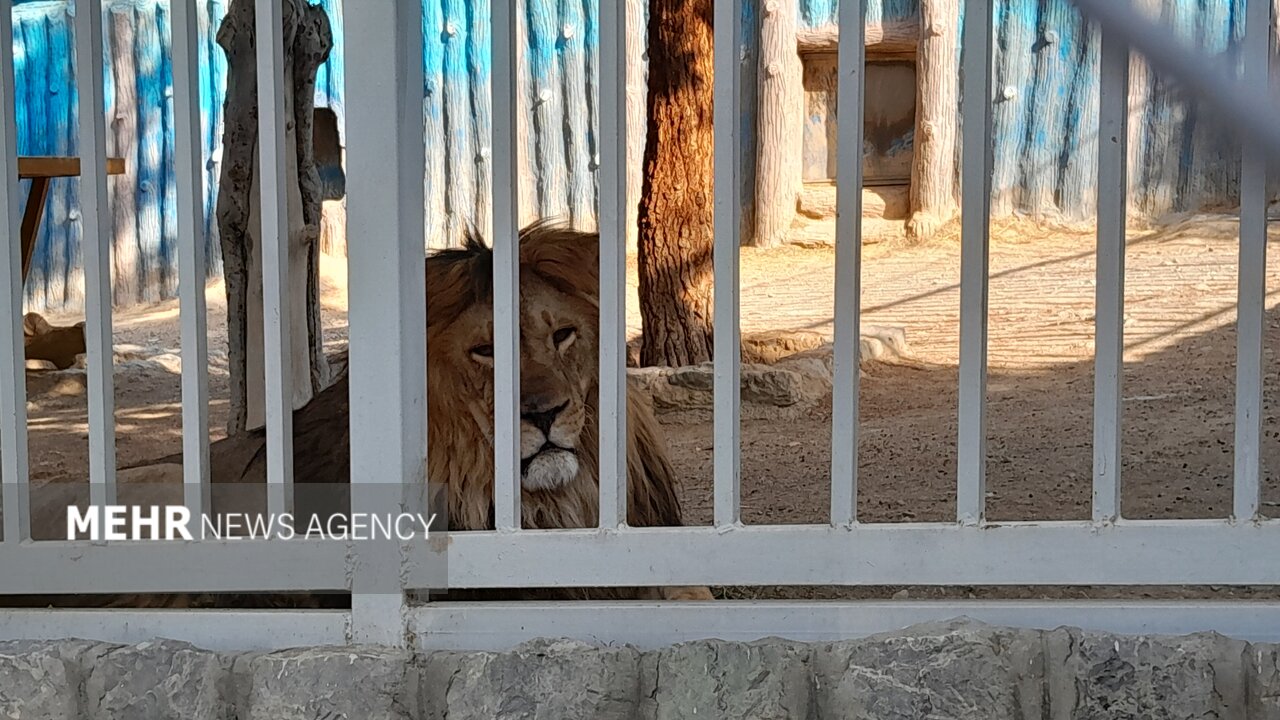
(961, 670)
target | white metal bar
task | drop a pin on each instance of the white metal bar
(385, 165)
(971, 443)
(204, 565)
(850, 114)
(1113, 142)
(728, 222)
(1252, 287)
(506, 271)
(277, 330)
(192, 260)
(216, 630)
(1060, 553)
(13, 378)
(652, 625)
(96, 250)
(1211, 80)
(613, 264)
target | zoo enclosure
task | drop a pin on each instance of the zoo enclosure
(385, 149)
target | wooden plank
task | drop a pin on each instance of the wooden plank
(460, 146)
(31, 217)
(436, 173)
(51, 167)
(547, 100)
(123, 140)
(895, 36)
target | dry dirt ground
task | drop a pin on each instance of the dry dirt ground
(1178, 403)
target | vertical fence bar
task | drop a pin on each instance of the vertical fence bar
(971, 447)
(844, 415)
(95, 249)
(728, 222)
(1253, 278)
(277, 332)
(1113, 134)
(506, 271)
(613, 266)
(13, 378)
(185, 46)
(385, 165)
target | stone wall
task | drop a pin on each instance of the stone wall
(958, 670)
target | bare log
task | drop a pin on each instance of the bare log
(781, 100)
(933, 181)
(895, 36)
(308, 40)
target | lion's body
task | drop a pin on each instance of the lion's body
(559, 369)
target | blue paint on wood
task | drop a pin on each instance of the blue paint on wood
(1045, 135)
(459, 152)
(580, 170)
(433, 115)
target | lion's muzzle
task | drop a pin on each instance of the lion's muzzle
(548, 459)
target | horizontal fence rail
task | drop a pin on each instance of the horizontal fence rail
(389, 389)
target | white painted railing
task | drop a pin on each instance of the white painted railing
(388, 390)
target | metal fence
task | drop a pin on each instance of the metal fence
(388, 389)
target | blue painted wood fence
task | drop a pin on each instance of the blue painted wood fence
(1045, 120)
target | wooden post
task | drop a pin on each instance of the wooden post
(933, 173)
(778, 169)
(308, 41)
(122, 141)
(637, 131)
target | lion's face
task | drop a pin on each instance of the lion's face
(557, 372)
(558, 362)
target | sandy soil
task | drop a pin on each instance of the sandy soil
(1178, 384)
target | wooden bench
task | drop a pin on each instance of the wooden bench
(58, 345)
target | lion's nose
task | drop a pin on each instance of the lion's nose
(540, 413)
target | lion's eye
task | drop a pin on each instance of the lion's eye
(484, 351)
(563, 336)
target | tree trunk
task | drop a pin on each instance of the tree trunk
(308, 41)
(779, 175)
(676, 215)
(933, 173)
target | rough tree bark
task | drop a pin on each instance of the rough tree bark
(933, 181)
(307, 42)
(676, 213)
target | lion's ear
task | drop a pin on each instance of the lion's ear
(568, 259)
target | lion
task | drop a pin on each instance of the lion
(559, 360)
